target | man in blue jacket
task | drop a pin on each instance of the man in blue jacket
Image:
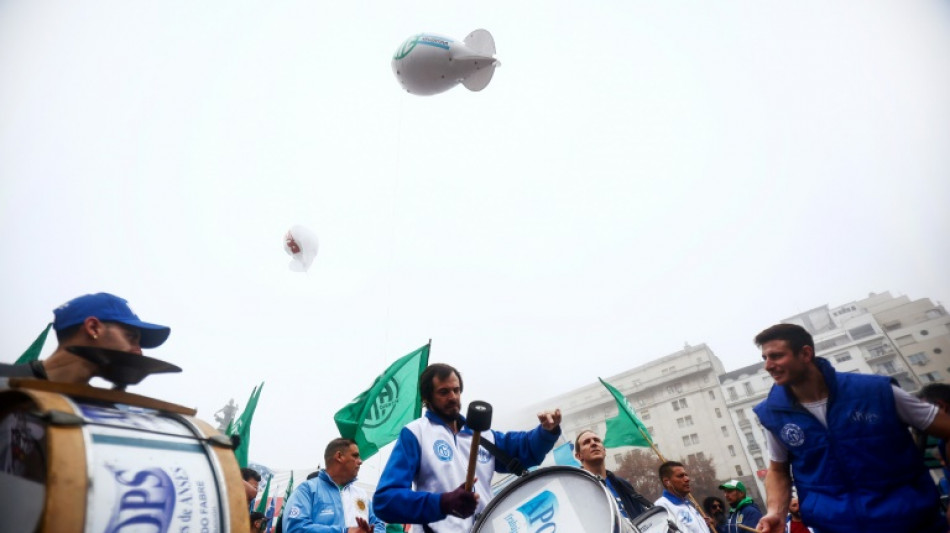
(742, 510)
(845, 437)
(423, 482)
(331, 502)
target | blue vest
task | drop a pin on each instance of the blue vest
(861, 473)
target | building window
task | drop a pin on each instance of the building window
(685, 440)
(680, 422)
(738, 470)
(938, 351)
(725, 431)
(683, 402)
(888, 367)
(701, 456)
(759, 463)
(750, 438)
(650, 430)
(831, 343)
(678, 386)
(748, 389)
(740, 413)
(919, 359)
(712, 395)
(644, 415)
(689, 420)
(842, 357)
(861, 332)
(930, 377)
(618, 458)
(732, 393)
(732, 450)
(905, 340)
(924, 332)
(718, 413)
(695, 438)
(676, 406)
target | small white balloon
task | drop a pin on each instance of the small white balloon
(302, 245)
(427, 63)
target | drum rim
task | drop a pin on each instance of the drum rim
(614, 512)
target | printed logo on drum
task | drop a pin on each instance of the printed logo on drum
(384, 405)
(539, 513)
(483, 456)
(145, 500)
(442, 450)
(792, 435)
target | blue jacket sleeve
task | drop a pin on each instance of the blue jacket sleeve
(378, 525)
(394, 500)
(529, 447)
(297, 518)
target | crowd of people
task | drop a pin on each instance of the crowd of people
(841, 456)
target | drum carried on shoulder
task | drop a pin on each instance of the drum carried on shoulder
(563, 499)
(77, 458)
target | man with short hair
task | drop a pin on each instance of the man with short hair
(845, 438)
(99, 320)
(742, 510)
(675, 499)
(258, 521)
(331, 501)
(252, 483)
(424, 480)
(589, 450)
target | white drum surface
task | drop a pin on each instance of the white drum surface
(552, 499)
(654, 520)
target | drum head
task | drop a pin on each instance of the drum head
(568, 498)
(654, 520)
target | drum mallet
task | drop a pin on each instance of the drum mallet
(478, 419)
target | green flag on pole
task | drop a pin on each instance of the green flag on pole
(625, 429)
(375, 417)
(290, 489)
(242, 426)
(33, 352)
(262, 503)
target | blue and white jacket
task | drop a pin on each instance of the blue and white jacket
(862, 472)
(683, 513)
(430, 459)
(321, 506)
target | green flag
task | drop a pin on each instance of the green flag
(625, 429)
(33, 352)
(290, 488)
(242, 426)
(375, 417)
(262, 503)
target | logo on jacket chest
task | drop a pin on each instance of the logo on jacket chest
(443, 450)
(793, 435)
(864, 417)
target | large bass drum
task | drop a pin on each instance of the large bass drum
(558, 498)
(655, 520)
(70, 464)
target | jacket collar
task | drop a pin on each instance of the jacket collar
(436, 419)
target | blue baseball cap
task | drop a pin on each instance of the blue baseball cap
(108, 308)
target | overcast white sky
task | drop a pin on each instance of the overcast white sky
(636, 176)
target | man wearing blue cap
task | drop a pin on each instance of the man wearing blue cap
(101, 320)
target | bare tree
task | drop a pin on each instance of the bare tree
(641, 469)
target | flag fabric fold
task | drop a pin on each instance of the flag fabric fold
(375, 417)
(564, 455)
(625, 429)
(33, 352)
(242, 426)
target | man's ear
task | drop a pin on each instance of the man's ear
(93, 327)
(808, 353)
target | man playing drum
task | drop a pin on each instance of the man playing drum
(423, 482)
(100, 320)
(589, 450)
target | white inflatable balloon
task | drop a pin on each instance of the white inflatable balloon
(430, 64)
(301, 244)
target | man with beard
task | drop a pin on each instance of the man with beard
(742, 510)
(794, 523)
(424, 480)
(589, 450)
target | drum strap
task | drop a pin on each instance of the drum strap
(512, 464)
